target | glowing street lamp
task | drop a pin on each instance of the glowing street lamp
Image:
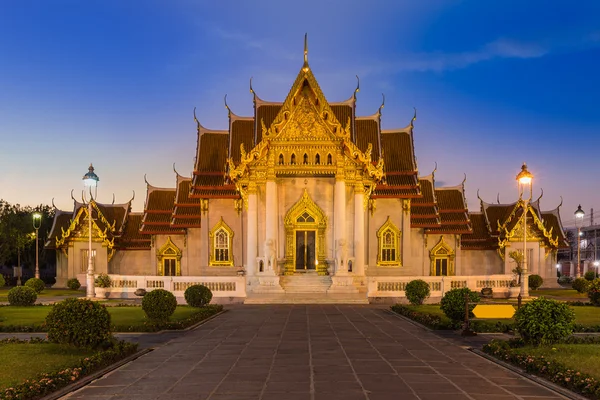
(37, 222)
(525, 184)
(90, 181)
(579, 214)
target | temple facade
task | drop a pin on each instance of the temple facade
(306, 194)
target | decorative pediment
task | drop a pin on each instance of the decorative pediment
(304, 124)
(304, 211)
(441, 249)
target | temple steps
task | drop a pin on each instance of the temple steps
(307, 298)
(305, 283)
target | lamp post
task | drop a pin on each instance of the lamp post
(90, 181)
(579, 214)
(524, 183)
(37, 222)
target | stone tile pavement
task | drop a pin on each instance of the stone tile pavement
(312, 352)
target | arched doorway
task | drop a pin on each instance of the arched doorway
(305, 225)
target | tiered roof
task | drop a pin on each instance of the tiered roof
(496, 224)
(186, 210)
(158, 211)
(113, 223)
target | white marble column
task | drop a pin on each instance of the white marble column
(342, 282)
(406, 247)
(252, 233)
(339, 218)
(359, 230)
(271, 218)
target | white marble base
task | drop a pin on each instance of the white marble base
(268, 284)
(342, 284)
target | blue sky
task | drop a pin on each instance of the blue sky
(495, 83)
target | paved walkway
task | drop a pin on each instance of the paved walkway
(311, 352)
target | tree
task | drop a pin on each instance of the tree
(517, 257)
(17, 235)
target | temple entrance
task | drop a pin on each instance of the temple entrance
(305, 226)
(305, 250)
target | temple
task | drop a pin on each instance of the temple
(306, 196)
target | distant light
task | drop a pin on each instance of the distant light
(557, 265)
(596, 263)
(524, 177)
(580, 233)
(579, 213)
(37, 215)
(90, 179)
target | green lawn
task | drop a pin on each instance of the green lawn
(559, 293)
(25, 361)
(580, 357)
(48, 292)
(584, 315)
(120, 316)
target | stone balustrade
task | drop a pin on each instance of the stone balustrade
(124, 286)
(395, 286)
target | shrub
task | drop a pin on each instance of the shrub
(580, 284)
(453, 303)
(535, 281)
(198, 295)
(2, 280)
(159, 304)
(102, 281)
(594, 292)
(417, 291)
(83, 323)
(565, 280)
(36, 284)
(73, 284)
(590, 275)
(543, 321)
(22, 296)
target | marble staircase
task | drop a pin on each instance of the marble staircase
(305, 283)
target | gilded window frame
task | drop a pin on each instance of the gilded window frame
(388, 225)
(212, 262)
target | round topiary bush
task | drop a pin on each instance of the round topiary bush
(79, 322)
(594, 292)
(535, 281)
(453, 303)
(73, 284)
(581, 285)
(22, 296)
(159, 304)
(198, 295)
(2, 281)
(544, 321)
(36, 284)
(417, 291)
(590, 275)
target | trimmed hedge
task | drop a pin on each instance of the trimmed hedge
(551, 370)
(435, 322)
(22, 296)
(50, 382)
(36, 284)
(159, 305)
(198, 295)
(2, 281)
(73, 284)
(79, 322)
(594, 292)
(453, 303)
(535, 281)
(544, 321)
(590, 275)
(581, 285)
(417, 291)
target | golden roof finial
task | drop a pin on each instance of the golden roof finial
(305, 67)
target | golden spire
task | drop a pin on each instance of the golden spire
(305, 66)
